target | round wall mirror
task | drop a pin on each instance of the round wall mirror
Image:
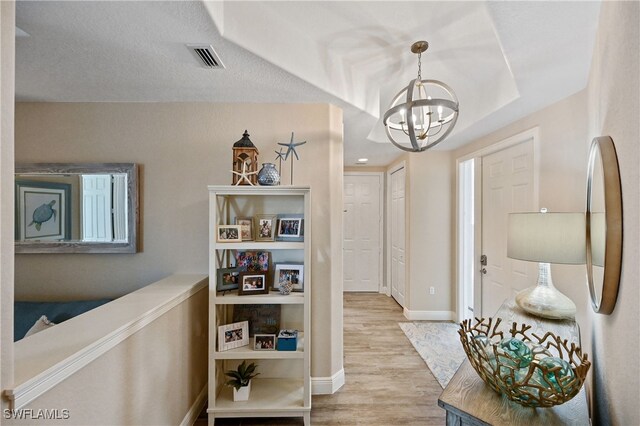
(604, 225)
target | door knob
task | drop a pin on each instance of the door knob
(483, 271)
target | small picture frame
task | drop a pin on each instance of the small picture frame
(228, 279)
(253, 261)
(228, 234)
(265, 226)
(246, 228)
(252, 283)
(232, 336)
(289, 227)
(293, 272)
(264, 342)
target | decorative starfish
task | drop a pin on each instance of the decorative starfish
(280, 155)
(244, 175)
(291, 147)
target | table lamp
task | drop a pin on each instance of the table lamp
(547, 238)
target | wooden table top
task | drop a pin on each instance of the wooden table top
(469, 397)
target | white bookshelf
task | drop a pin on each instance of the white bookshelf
(283, 388)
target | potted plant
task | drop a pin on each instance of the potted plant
(241, 380)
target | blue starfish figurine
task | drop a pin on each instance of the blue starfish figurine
(291, 147)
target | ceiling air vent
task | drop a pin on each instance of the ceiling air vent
(206, 55)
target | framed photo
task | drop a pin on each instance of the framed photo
(228, 279)
(252, 283)
(43, 210)
(266, 227)
(228, 234)
(265, 342)
(246, 228)
(289, 227)
(233, 335)
(293, 272)
(253, 261)
(263, 318)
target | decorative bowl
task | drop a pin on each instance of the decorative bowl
(532, 370)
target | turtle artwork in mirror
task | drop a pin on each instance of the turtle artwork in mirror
(76, 208)
(604, 225)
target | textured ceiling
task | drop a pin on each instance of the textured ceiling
(503, 59)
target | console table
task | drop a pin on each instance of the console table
(469, 401)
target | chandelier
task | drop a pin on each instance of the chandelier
(427, 115)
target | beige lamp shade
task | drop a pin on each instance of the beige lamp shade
(547, 237)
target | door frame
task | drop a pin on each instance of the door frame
(391, 170)
(381, 283)
(530, 134)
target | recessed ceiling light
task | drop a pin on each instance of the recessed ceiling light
(362, 161)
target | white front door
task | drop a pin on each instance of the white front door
(362, 246)
(507, 186)
(397, 236)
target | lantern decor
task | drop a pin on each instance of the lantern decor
(245, 162)
(291, 148)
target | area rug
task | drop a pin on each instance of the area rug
(438, 344)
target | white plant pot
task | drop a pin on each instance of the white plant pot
(242, 394)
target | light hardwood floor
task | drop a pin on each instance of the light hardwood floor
(387, 383)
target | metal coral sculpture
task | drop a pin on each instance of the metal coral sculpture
(291, 148)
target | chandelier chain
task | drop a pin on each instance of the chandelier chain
(419, 67)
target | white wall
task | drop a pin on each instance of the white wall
(614, 90)
(183, 147)
(7, 78)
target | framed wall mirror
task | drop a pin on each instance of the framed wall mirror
(76, 208)
(604, 225)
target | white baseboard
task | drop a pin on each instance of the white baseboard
(196, 408)
(327, 385)
(429, 315)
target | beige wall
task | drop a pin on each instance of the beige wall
(608, 107)
(563, 169)
(430, 195)
(183, 148)
(614, 89)
(7, 78)
(153, 377)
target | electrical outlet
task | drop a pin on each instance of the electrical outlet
(432, 290)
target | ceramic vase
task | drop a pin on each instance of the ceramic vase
(268, 175)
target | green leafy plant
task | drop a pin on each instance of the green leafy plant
(242, 375)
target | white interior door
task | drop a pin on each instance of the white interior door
(507, 186)
(96, 208)
(397, 236)
(362, 245)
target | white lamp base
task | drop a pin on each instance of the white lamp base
(544, 300)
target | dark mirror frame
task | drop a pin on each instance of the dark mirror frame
(133, 206)
(613, 221)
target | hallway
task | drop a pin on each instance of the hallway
(387, 383)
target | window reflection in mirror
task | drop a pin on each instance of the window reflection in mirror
(76, 208)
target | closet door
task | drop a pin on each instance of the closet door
(397, 236)
(362, 234)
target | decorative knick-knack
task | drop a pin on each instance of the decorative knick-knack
(268, 175)
(291, 148)
(245, 162)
